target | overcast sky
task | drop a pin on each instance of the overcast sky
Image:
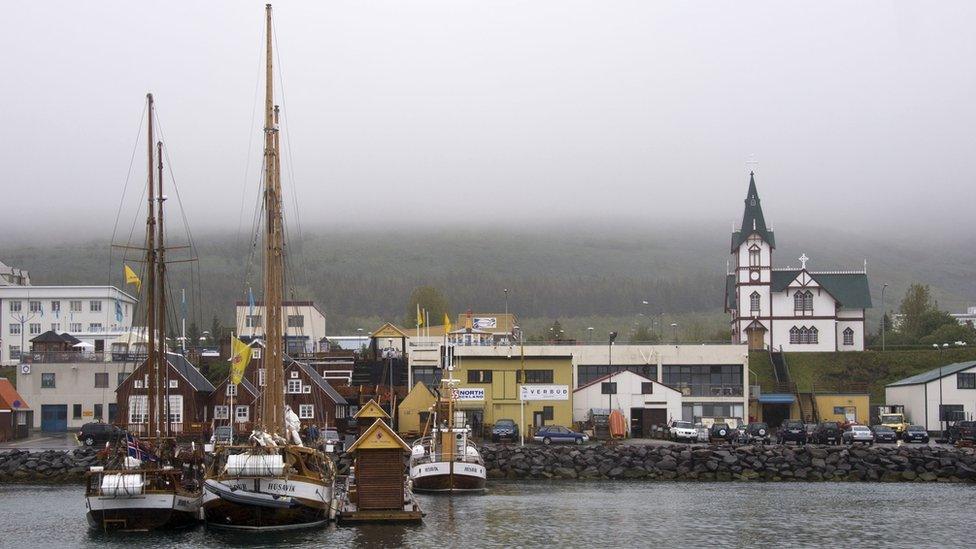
(857, 114)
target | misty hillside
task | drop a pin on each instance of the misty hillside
(551, 272)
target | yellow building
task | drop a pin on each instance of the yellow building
(413, 409)
(844, 407)
(491, 382)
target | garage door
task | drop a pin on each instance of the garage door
(54, 417)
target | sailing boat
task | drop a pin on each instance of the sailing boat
(148, 486)
(274, 482)
(447, 460)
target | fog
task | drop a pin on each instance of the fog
(854, 115)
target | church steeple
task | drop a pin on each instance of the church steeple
(752, 218)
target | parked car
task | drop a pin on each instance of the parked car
(505, 429)
(550, 434)
(858, 433)
(961, 430)
(883, 433)
(828, 432)
(721, 431)
(916, 433)
(792, 431)
(99, 433)
(682, 430)
(758, 433)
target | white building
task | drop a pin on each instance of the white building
(790, 309)
(95, 315)
(66, 395)
(951, 389)
(10, 276)
(645, 403)
(301, 321)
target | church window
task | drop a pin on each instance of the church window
(754, 256)
(798, 301)
(813, 336)
(794, 335)
(754, 302)
(808, 301)
(803, 301)
(848, 336)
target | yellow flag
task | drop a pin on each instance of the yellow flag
(420, 318)
(238, 361)
(447, 324)
(132, 278)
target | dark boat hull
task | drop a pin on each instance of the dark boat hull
(140, 520)
(220, 513)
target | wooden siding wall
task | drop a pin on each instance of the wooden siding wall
(379, 479)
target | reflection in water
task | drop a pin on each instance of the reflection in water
(570, 514)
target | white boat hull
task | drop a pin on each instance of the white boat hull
(448, 476)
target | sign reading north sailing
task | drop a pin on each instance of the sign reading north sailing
(462, 393)
(545, 392)
(484, 323)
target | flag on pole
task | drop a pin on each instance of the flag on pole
(250, 302)
(132, 278)
(118, 311)
(420, 316)
(447, 324)
(241, 355)
(135, 449)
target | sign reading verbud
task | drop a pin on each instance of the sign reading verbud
(463, 393)
(545, 392)
(484, 322)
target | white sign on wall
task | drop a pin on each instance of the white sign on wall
(545, 392)
(463, 393)
(484, 323)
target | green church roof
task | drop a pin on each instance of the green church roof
(851, 289)
(752, 219)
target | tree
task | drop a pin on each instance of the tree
(949, 333)
(643, 334)
(192, 335)
(430, 299)
(216, 331)
(916, 303)
(556, 332)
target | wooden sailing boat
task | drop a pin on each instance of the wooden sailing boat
(447, 460)
(145, 486)
(274, 482)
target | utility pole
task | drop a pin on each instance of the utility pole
(883, 315)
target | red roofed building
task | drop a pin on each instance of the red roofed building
(15, 414)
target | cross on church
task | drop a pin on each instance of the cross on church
(803, 261)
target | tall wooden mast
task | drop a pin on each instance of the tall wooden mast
(161, 301)
(152, 388)
(273, 403)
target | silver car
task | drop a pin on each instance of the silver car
(858, 433)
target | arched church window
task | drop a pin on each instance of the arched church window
(848, 336)
(798, 301)
(808, 301)
(794, 335)
(813, 336)
(754, 258)
(754, 302)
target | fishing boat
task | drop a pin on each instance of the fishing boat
(446, 460)
(148, 484)
(273, 481)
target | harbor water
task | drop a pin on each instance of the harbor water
(572, 514)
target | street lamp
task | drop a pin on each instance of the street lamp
(612, 337)
(674, 328)
(518, 333)
(883, 314)
(506, 302)
(589, 334)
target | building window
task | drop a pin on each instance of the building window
(252, 321)
(256, 354)
(15, 352)
(55, 327)
(306, 411)
(15, 306)
(798, 301)
(710, 380)
(294, 386)
(95, 327)
(137, 384)
(15, 329)
(47, 380)
(754, 256)
(101, 380)
(175, 408)
(74, 327)
(231, 390)
(261, 374)
(647, 388)
(296, 321)
(242, 414)
(848, 336)
(35, 328)
(95, 306)
(34, 306)
(586, 373)
(479, 376)
(951, 412)
(97, 413)
(119, 378)
(174, 384)
(813, 335)
(547, 413)
(75, 306)
(537, 376)
(966, 380)
(138, 409)
(220, 412)
(754, 303)
(794, 335)
(76, 411)
(55, 307)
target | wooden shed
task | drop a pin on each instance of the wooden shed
(379, 491)
(368, 414)
(413, 411)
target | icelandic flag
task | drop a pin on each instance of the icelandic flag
(250, 302)
(183, 304)
(135, 450)
(118, 310)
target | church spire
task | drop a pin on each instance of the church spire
(752, 218)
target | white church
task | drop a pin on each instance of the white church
(789, 309)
